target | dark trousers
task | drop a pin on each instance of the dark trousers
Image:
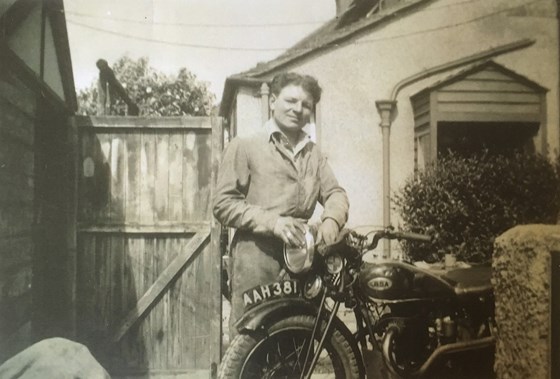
(255, 260)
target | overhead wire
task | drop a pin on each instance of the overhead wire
(242, 25)
(172, 43)
(195, 25)
(278, 49)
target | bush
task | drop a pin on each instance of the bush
(466, 202)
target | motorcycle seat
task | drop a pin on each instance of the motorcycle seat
(472, 280)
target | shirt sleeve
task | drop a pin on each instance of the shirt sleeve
(332, 196)
(230, 205)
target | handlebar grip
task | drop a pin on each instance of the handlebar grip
(414, 236)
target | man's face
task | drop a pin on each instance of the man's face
(292, 108)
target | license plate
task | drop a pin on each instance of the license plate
(259, 294)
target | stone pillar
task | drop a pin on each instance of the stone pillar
(521, 275)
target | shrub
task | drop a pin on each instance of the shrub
(466, 202)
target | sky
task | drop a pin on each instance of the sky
(212, 38)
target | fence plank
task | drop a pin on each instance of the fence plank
(161, 283)
(133, 189)
(162, 177)
(147, 178)
(104, 177)
(119, 171)
(204, 169)
(175, 177)
(190, 176)
(215, 251)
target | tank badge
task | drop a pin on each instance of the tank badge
(380, 284)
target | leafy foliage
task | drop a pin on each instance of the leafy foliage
(468, 201)
(155, 93)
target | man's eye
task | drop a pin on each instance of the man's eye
(307, 106)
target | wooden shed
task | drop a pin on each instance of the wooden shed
(36, 185)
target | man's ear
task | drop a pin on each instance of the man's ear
(271, 101)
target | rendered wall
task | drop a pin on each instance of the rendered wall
(248, 111)
(365, 69)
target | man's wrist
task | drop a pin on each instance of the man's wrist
(332, 219)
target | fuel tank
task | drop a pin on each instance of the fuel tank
(395, 280)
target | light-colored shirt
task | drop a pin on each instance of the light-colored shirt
(261, 179)
(274, 132)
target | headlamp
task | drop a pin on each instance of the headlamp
(334, 264)
(299, 259)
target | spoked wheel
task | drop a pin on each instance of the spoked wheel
(281, 353)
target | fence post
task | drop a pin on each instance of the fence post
(102, 97)
(107, 82)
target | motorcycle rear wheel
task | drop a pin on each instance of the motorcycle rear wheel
(280, 351)
(396, 354)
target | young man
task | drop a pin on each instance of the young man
(268, 187)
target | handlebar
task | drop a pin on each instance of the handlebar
(388, 233)
(413, 236)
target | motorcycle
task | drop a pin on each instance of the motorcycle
(412, 315)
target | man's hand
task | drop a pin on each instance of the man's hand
(290, 230)
(328, 231)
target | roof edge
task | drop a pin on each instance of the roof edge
(230, 87)
(344, 34)
(476, 67)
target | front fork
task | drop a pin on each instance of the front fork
(316, 350)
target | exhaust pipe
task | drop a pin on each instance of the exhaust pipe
(450, 348)
(455, 347)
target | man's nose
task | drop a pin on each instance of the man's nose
(298, 107)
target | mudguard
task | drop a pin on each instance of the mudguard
(265, 314)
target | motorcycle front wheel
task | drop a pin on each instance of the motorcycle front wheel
(280, 352)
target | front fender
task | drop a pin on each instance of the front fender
(267, 313)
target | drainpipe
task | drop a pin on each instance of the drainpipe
(265, 91)
(385, 109)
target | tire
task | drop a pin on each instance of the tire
(258, 355)
(399, 362)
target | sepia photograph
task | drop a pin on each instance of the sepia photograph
(239, 189)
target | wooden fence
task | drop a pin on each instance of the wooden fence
(148, 267)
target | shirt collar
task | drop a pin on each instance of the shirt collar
(271, 127)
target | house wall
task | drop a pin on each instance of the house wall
(367, 68)
(248, 111)
(17, 182)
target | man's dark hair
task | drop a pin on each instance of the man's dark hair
(307, 82)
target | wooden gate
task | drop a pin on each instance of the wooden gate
(148, 300)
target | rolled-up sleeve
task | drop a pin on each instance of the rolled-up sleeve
(230, 205)
(332, 196)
